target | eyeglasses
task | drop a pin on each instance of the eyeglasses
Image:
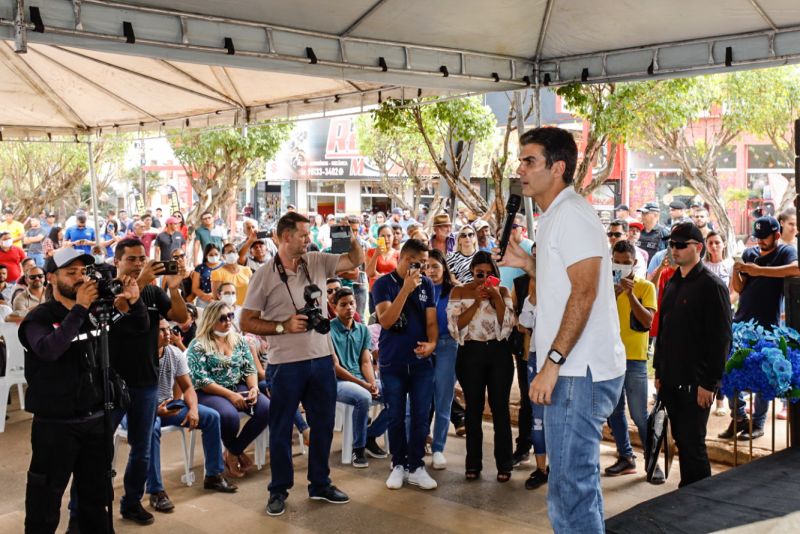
(332, 290)
(515, 226)
(614, 234)
(226, 317)
(35, 276)
(681, 245)
(467, 235)
(178, 256)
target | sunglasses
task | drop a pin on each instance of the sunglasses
(614, 234)
(515, 226)
(332, 290)
(178, 256)
(35, 276)
(681, 245)
(467, 235)
(226, 317)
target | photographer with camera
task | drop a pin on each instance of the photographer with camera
(301, 364)
(405, 302)
(65, 393)
(135, 358)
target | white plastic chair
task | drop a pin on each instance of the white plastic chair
(188, 475)
(15, 369)
(344, 423)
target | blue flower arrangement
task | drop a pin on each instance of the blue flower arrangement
(763, 360)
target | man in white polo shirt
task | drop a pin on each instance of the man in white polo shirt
(580, 356)
(301, 364)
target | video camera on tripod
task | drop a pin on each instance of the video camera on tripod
(108, 286)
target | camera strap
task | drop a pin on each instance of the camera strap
(285, 278)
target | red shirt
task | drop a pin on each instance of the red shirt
(385, 265)
(12, 258)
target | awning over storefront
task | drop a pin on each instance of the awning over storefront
(93, 64)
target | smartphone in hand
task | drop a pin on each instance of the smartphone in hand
(492, 281)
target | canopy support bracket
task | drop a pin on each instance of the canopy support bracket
(76, 11)
(20, 29)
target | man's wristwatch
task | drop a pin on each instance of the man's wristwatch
(279, 329)
(556, 357)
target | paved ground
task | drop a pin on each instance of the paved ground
(456, 506)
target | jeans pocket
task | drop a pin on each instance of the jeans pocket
(605, 396)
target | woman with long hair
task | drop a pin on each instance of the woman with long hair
(224, 375)
(480, 318)
(717, 260)
(444, 362)
(378, 221)
(232, 272)
(460, 259)
(109, 239)
(53, 241)
(201, 276)
(182, 228)
(316, 223)
(382, 259)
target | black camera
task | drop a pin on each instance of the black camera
(316, 319)
(108, 287)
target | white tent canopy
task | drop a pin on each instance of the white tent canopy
(94, 64)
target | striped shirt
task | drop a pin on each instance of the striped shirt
(459, 264)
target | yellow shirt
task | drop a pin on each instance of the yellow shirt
(635, 342)
(240, 280)
(16, 229)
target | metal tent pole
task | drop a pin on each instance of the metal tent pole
(94, 189)
(520, 113)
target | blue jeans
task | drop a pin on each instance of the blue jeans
(360, 292)
(635, 390)
(574, 422)
(140, 418)
(38, 258)
(444, 383)
(414, 381)
(361, 400)
(212, 448)
(313, 383)
(759, 409)
(299, 420)
(537, 418)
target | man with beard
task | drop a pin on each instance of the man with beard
(65, 395)
(30, 297)
(758, 279)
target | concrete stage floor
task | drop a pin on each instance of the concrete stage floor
(455, 506)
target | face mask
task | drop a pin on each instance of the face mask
(213, 260)
(230, 300)
(220, 334)
(231, 257)
(621, 271)
(99, 258)
(7, 242)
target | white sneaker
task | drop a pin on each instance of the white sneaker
(397, 477)
(421, 478)
(439, 461)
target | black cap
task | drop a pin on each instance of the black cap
(650, 207)
(765, 227)
(622, 207)
(686, 231)
(677, 205)
(7, 211)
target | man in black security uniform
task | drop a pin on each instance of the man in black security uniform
(758, 279)
(65, 394)
(694, 337)
(653, 236)
(135, 358)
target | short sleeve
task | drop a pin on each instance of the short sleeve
(180, 365)
(248, 365)
(648, 296)
(216, 276)
(431, 302)
(162, 302)
(380, 291)
(367, 339)
(256, 298)
(329, 263)
(454, 309)
(196, 359)
(574, 242)
(749, 255)
(789, 255)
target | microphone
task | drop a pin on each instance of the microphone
(512, 207)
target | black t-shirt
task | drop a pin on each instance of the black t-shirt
(761, 297)
(167, 243)
(654, 240)
(135, 357)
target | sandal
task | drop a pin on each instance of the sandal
(232, 468)
(472, 474)
(503, 476)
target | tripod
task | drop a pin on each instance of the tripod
(101, 314)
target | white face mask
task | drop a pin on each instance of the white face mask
(7, 242)
(231, 257)
(213, 260)
(98, 258)
(220, 334)
(621, 271)
(230, 300)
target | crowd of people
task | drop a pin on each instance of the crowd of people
(273, 326)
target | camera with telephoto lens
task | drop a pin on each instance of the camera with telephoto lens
(108, 287)
(316, 319)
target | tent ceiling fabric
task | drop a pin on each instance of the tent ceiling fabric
(219, 62)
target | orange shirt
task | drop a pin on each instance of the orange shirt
(385, 265)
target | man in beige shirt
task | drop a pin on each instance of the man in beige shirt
(285, 303)
(30, 297)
